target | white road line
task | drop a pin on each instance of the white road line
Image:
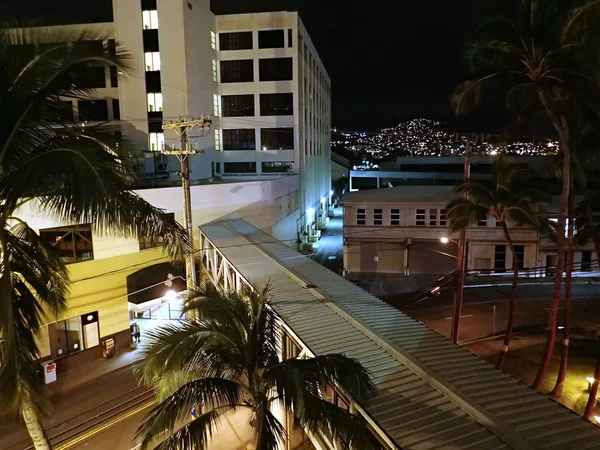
(467, 315)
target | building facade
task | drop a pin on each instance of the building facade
(404, 230)
(265, 159)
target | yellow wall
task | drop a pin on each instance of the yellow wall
(101, 285)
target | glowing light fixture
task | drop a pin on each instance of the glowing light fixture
(171, 295)
(444, 240)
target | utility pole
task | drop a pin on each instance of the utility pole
(461, 264)
(183, 127)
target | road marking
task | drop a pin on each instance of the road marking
(467, 315)
(104, 427)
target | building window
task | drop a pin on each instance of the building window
(146, 243)
(235, 41)
(74, 334)
(290, 40)
(520, 252)
(160, 163)
(152, 61)
(239, 139)
(116, 109)
(239, 167)
(361, 216)
(238, 71)
(237, 105)
(277, 166)
(216, 109)
(442, 217)
(433, 217)
(275, 69)
(500, 258)
(217, 140)
(277, 138)
(586, 261)
(157, 141)
(271, 39)
(213, 40)
(92, 110)
(114, 77)
(155, 101)
(420, 216)
(276, 104)
(150, 20)
(214, 70)
(395, 217)
(73, 243)
(482, 223)
(377, 217)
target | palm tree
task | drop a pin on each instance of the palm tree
(509, 200)
(526, 60)
(78, 174)
(230, 359)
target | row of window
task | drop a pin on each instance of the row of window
(243, 40)
(243, 105)
(245, 139)
(250, 167)
(269, 69)
(423, 217)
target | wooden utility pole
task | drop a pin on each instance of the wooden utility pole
(183, 127)
(461, 263)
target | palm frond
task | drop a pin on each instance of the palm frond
(195, 434)
(462, 212)
(270, 433)
(211, 393)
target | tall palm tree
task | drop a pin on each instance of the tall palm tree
(510, 201)
(526, 60)
(76, 173)
(230, 359)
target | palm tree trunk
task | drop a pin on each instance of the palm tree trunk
(562, 129)
(562, 372)
(34, 427)
(587, 200)
(513, 296)
(28, 411)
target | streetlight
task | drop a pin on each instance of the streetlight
(460, 282)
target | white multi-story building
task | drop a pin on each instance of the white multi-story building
(404, 230)
(266, 158)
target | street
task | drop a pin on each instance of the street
(329, 251)
(101, 414)
(483, 304)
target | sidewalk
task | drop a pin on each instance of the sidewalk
(93, 370)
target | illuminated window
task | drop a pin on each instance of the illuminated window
(217, 140)
(152, 61)
(155, 101)
(157, 141)
(213, 40)
(216, 105)
(150, 20)
(214, 70)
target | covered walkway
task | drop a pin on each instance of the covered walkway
(432, 394)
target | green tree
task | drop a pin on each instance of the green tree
(230, 359)
(76, 173)
(526, 60)
(511, 201)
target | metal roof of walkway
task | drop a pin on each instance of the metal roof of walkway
(432, 394)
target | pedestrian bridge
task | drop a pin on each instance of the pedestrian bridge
(432, 393)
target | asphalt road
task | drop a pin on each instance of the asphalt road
(103, 414)
(483, 305)
(329, 250)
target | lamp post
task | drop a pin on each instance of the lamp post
(460, 282)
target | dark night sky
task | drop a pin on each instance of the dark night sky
(388, 60)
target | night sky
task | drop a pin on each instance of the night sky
(388, 60)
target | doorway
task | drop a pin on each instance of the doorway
(550, 265)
